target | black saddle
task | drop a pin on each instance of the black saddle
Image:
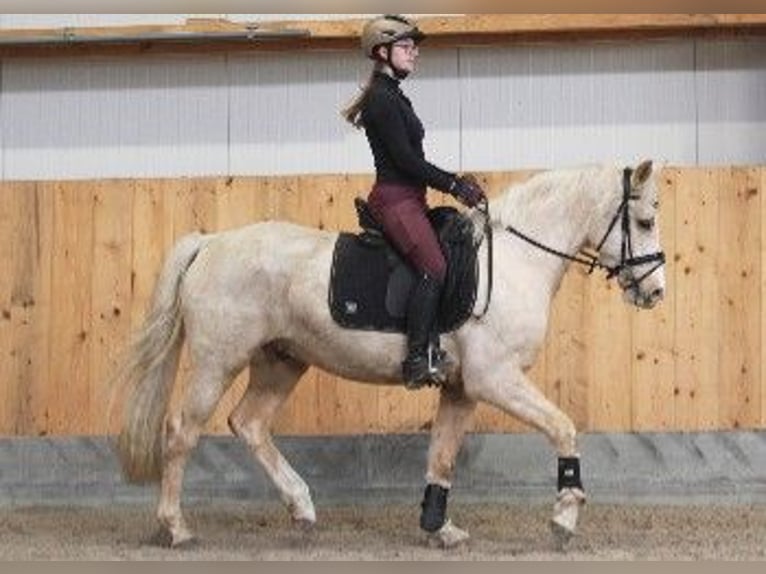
(370, 283)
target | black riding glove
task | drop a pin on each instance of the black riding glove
(467, 190)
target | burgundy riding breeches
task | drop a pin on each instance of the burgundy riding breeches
(401, 211)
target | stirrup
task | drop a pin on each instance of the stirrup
(425, 370)
(441, 359)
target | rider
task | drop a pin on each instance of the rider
(398, 198)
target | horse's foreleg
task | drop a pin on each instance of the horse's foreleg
(205, 389)
(272, 379)
(452, 420)
(510, 390)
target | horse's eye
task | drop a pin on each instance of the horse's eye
(646, 224)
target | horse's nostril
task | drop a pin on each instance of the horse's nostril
(658, 294)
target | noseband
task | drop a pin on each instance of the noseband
(627, 259)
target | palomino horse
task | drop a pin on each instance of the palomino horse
(257, 296)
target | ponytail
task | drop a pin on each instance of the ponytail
(352, 113)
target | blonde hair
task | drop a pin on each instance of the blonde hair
(352, 113)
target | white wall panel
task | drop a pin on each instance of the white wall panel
(681, 101)
(435, 94)
(113, 118)
(285, 112)
(536, 106)
(732, 102)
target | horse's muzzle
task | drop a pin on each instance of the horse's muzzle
(643, 299)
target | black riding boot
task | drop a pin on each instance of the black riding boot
(423, 366)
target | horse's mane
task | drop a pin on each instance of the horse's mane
(572, 194)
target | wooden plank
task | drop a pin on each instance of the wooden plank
(762, 294)
(566, 361)
(152, 236)
(653, 354)
(696, 289)
(608, 347)
(236, 203)
(7, 390)
(72, 264)
(152, 208)
(21, 298)
(111, 307)
(739, 303)
(30, 305)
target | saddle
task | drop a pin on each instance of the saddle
(370, 283)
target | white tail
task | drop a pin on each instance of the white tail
(150, 368)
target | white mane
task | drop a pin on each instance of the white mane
(558, 207)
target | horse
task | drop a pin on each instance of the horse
(257, 297)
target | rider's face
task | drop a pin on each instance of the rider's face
(404, 53)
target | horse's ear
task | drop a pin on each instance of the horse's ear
(642, 174)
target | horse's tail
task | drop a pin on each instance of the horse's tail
(149, 370)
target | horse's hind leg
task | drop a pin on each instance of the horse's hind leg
(273, 376)
(510, 390)
(206, 386)
(449, 428)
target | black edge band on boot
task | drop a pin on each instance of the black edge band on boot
(569, 473)
(434, 508)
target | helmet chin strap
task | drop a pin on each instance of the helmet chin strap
(400, 74)
(387, 66)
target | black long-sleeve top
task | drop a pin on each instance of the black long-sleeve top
(395, 134)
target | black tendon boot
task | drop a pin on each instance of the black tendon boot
(434, 508)
(421, 367)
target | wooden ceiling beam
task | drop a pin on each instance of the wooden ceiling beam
(205, 35)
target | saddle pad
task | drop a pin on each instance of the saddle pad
(370, 285)
(359, 286)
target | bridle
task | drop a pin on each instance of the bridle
(628, 260)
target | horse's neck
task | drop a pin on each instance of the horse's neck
(556, 209)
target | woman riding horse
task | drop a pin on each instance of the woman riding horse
(398, 198)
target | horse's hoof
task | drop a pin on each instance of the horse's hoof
(187, 544)
(565, 515)
(161, 538)
(164, 539)
(448, 536)
(304, 525)
(561, 535)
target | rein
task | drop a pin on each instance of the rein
(484, 210)
(589, 260)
